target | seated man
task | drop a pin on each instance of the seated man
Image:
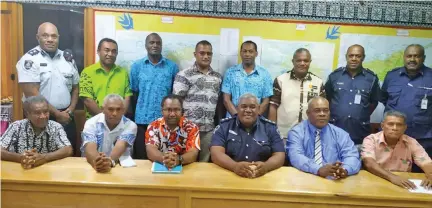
(108, 135)
(35, 140)
(317, 147)
(247, 144)
(392, 150)
(173, 139)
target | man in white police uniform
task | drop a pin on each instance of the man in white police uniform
(52, 73)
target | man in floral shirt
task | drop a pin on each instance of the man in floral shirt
(172, 140)
(392, 150)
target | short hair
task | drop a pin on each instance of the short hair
(246, 96)
(109, 40)
(422, 50)
(357, 45)
(113, 97)
(300, 50)
(204, 43)
(33, 100)
(249, 42)
(315, 98)
(172, 97)
(152, 34)
(395, 114)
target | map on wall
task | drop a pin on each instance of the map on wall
(383, 53)
(277, 56)
(176, 47)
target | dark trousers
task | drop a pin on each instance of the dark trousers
(139, 148)
(427, 145)
(70, 130)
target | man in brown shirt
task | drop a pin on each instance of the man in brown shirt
(292, 91)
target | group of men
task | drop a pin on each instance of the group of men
(173, 120)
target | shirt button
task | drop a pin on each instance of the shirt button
(232, 139)
(352, 78)
(350, 90)
(247, 145)
(247, 157)
(350, 103)
(349, 116)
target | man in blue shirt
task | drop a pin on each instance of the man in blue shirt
(247, 144)
(353, 93)
(246, 77)
(151, 79)
(317, 147)
(408, 89)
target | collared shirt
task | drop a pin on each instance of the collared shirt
(20, 137)
(56, 75)
(237, 82)
(257, 144)
(405, 94)
(336, 144)
(96, 83)
(153, 82)
(180, 140)
(201, 93)
(341, 90)
(96, 131)
(291, 96)
(400, 158)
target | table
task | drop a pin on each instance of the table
(72, 182)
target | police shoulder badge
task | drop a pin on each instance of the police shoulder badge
(28, 64)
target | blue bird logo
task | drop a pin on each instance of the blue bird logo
(126, 21)
(333, 33)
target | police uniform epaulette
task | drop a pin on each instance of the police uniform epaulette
(370, 71)
(33, 52)
(395, 69)
(226, 119)
(337, 70)
(267, 120)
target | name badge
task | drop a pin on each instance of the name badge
(43, 64)
(424, 103)
(357, 98)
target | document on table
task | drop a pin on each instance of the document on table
(127, 161)
(419, 188)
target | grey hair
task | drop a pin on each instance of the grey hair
(247, 96)
(395, 114)
(32, 100)
(422, 49)
(315, 98)
(113, 97)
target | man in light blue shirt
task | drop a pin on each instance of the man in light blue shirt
(151, 79)
(246, 77)
(317, 147)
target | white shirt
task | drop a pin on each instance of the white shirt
(56, 75)
(96, 130)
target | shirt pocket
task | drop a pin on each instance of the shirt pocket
(365, 95)
(68, 80)
(393, 95)
(45, 74)
(424, 116)
(264, 149)
(233, 145)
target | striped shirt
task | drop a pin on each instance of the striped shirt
(200, 92)
(20, 137)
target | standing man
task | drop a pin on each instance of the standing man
(246, 78)
(151, 80)
(199, 86)
(408, 89)
(353, 93)
(292, 91)
(103, 78)
(48, 71)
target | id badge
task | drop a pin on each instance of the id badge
(357, 98)
(424, 103)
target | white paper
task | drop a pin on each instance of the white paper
(419, 189)
(259, 42)
(127, 161)
(167, 19)
(301, 27)
(229, 41)
(104, 28)
(226, 62)
(401, 32)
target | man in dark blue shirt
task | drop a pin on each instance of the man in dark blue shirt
(247, 144)
(353, 93)
(408, 89)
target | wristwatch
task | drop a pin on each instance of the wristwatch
(180, 159)
(113, 163)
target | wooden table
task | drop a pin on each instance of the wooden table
(71, 182)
